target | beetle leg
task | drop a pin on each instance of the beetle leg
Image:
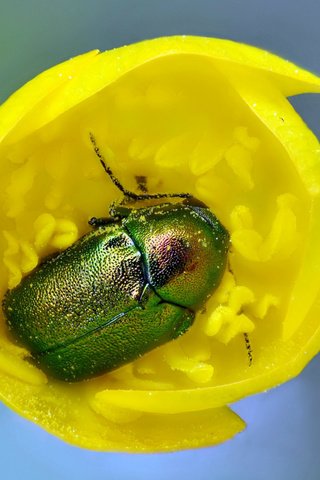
(101, 222)
(142, 183)
(117, 210)
(249, 348)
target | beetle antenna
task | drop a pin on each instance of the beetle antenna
(118, 184)
(248, 347)
(108, 170)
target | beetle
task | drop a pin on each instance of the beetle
(134, 282)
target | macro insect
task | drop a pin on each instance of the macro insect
(134, 282)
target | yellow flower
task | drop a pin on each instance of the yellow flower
(193, 114)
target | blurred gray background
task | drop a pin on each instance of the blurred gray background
(283, 435)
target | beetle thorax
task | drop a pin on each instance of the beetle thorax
(183, 249)
(170, 255)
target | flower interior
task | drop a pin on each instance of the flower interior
(184, 133)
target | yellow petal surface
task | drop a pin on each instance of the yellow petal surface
(194, 114)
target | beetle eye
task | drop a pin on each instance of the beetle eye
(168, 257)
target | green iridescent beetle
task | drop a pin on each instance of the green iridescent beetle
(133, 283)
